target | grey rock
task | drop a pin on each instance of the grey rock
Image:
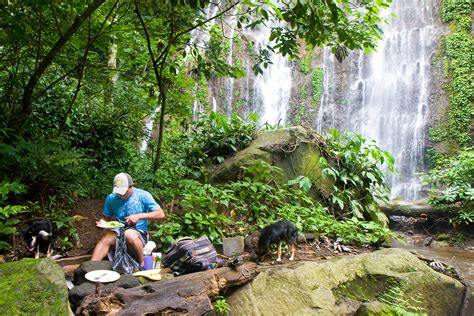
(341, 286)
(306, 237)
(126, 281)
(77, 293)
(88, 266)
(233, 246)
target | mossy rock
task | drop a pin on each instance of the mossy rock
(33, 287)
(378, 309)
(348, 286)
(295, 150)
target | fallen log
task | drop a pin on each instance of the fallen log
(189, 294)
(416, 209)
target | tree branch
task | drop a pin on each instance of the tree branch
(26, 103)
(55, 18)
(82, 64)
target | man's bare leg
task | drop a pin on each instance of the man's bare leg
(134, 244)
(102, 248)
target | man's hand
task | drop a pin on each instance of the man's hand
(100, 222)
(132, 219)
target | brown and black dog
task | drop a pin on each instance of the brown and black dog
(276, 233)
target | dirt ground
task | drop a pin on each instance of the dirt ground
(87, 212)
(90, 210)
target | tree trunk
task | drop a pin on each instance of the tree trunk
(159, 80)
(417, 209)
(156, 163)
(189, 294)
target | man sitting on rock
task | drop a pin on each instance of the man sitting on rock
(133, 207)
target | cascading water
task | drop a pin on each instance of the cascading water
(229, 82)
(386, 95)
(272, 90)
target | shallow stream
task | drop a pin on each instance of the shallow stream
(462, 259)
(459, 258)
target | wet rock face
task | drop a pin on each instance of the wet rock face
(33, 287)
(350, 286)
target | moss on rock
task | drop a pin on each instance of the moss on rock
(293, 149)
(33, 286)
(348, 285)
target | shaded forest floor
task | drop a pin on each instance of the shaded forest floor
(91, 210)
(87, 212)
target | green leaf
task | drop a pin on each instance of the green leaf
(305, 184)
(339, 202)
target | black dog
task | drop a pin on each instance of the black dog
(40, 237)
(276, 233)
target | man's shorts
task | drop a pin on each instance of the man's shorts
(143, 237)
(143, 234)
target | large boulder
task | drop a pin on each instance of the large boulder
(33, 287)
(295, 149)
(357, 285)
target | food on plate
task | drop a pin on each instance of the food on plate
(111, 224)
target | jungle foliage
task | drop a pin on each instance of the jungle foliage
(349, 211)
(451, 177)
(355, 167)
(458, 64)
(78, 79)
(451, 185)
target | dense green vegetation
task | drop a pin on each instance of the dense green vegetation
(458, 64)
(79, 79)
(452, 165)
(451, 182)
(348, 210)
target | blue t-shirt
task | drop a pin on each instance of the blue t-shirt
(139, 202)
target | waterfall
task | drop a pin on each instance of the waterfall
(387, 93)
(214, 104)
(272, 90)
(147, 130)
(229, 81)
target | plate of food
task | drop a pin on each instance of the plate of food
(110, 225)
(102, 276)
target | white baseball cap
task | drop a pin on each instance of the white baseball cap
(122, 182)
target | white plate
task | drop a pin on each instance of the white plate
(109, 226)
(102, 276)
